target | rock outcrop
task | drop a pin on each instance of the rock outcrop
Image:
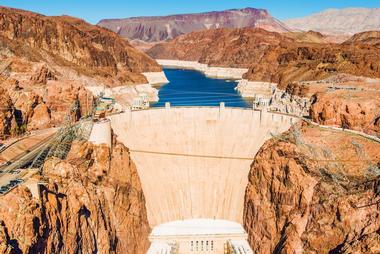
(153, 29)
(40, 119)
(92, 202)
(42, 76)
(316, 37)
(314, 190)
(367, 38)
(352, 110)
(8, 124)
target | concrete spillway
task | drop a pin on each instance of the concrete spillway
(194, 162)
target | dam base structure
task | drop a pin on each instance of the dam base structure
(193, 163)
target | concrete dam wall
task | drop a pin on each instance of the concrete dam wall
(194, 162)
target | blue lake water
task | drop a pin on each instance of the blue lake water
(193, 88)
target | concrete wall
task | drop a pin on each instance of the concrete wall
(34, 187)
(101, 133)
(184, 183)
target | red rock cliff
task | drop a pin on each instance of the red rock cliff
(67, 41)
(92, 203)
(7, 112)
(351, 110)
(314, 191)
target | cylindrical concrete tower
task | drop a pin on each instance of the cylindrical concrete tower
(101, 133)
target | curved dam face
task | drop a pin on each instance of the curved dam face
(194, 162)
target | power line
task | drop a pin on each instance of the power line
(194, 155)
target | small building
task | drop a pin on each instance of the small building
(264, 102)
(261, 101)
(140, 102)
(104, 105)
(197, 236)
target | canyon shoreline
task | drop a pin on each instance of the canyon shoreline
(249, 89)
(129, 92)
(209, 71)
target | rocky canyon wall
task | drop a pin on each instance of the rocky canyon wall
(92, 202)
(274, 57)
(8, 125)
(314, 191)
(46, 63)
(71, 42)
(358, 111)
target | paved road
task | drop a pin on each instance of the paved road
(22, 152)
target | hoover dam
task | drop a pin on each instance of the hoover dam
(193, 163)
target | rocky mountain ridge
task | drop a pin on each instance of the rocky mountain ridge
(71, 42)
(151, 29)
(339, 21)
(272, 57)
(368, 38)
(220, 47)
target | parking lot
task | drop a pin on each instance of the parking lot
(8, 186)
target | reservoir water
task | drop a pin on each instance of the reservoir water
(193, 88)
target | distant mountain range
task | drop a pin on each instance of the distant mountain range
(339, 21)
(156, 29)
(153, 29)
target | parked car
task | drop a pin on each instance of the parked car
(7, 163)
(16, 181)
(15, 171)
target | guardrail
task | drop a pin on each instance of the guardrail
(336, 128)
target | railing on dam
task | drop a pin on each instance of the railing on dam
(292, 117)
(168, 106)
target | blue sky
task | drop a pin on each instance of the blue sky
(94, 10)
